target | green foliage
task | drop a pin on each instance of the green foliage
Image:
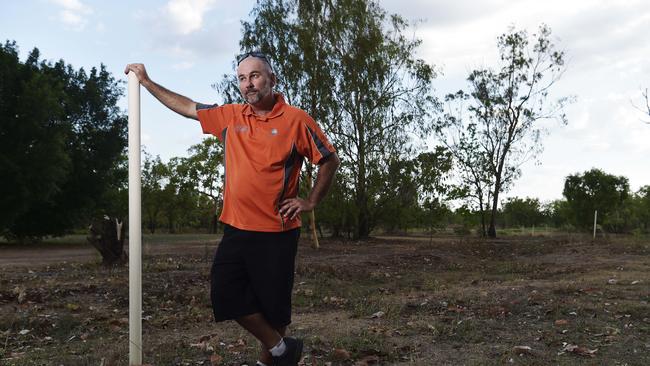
(640, 207)
(63, 140)
(559, 213)
(184, 192)
(501, 127)
(522, 212)
(596, 190)
(359, 79)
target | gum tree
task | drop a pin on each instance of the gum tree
(351, 66)
(507, 106)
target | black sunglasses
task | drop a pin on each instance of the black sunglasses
(255, 54)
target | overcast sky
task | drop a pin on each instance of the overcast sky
(188, 44)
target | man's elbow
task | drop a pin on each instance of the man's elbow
(333, 160)
(191, 111)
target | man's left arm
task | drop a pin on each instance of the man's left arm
(292, 207)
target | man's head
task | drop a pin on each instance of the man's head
(256, 78)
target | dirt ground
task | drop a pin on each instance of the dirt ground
(386, 301)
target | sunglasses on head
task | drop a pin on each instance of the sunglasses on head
(255, 54)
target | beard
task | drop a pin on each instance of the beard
(254, 96)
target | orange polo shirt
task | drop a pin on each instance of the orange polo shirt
(263, 158)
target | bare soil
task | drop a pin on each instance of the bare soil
(386, 301)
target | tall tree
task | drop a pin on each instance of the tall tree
(508, 104)
(34, 163)
(463, 141)
(63, 140)
(351, 66)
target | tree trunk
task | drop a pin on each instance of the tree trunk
(482, 210)
(214, 221)
(492, 230)
(363, 227)
(312, 215)
(107, 236)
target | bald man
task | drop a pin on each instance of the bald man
(265, 142)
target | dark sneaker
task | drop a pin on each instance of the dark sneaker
(292, 355)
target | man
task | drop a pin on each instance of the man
(265, 143)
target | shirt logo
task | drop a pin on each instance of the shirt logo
(241, 128)
(274, 132)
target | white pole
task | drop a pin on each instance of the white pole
(595, 219)
(135, 228)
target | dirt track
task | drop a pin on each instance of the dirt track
(44, 254)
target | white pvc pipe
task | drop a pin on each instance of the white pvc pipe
(595, 221)
(135, 228)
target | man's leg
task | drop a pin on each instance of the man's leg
(271, 264)
(264, 332)
(256, 325)
(265, 355)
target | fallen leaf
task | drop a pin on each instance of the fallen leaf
(20, 291)
(522, 350)
(215, 360)
(203, 346)
(72, 307)
(581, 351)
(377, 315)
(368, 360)
(206, 337)
(341, 354)
(561, 322)
(24, 331)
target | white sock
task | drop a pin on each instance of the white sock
(279, 349)
(260, 363)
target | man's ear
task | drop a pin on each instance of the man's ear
(274, 80)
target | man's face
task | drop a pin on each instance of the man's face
(256, 80)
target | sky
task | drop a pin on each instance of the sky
(187, 45)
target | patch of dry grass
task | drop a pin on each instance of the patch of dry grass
(453, 302)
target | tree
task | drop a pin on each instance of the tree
(348, 64)
(596, 190)
(153, 176)
(559, 213)
(463, 141)
(34, 163)
(522, 212)
(203, 172)
(432, 172)
(641, 208)
(63, 140)
(506, 108)
(644, 109)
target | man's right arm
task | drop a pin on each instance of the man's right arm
(176, 102)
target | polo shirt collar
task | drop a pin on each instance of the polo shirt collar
(278, 109)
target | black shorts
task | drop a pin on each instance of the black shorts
(253, 272)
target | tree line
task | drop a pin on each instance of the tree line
(63, 140)
(406, 152)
